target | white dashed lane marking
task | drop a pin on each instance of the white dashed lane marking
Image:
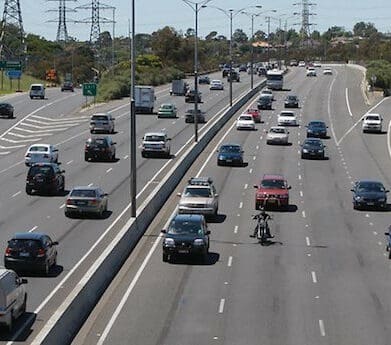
(14, 195)
(321, 328)
(314, 278)
(221, 306)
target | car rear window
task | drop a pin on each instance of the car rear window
(39, 149)
(246, 117)
(372, 117)
(36, 88)
(24, 244)
(197, 192)
(154, 138)
(279, 184)
(179, 227)
(277, 130)
(44, 170)
(230, 148)
(84, 193)
(97, 141)
(99, 118)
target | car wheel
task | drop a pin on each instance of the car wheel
(355, 207)
(86, 158)
(24, 305)
(257, 206)
(54, 264)
(389, 255)
(28, 190)
(165, 257)
(143, 154)
(205, 255)
(46, 269)
(62, 186)
(10, 326)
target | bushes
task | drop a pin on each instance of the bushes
(382, 70)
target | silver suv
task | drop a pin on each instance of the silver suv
(156, 143)
(199, 197)
(102, 122)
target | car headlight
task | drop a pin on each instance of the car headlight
(305, 150)
(199, 242)
(358, 198)
(320, 151)
(169, 242)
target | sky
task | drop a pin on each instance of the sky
(40, 17)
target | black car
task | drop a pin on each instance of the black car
(45, 178)
(6, 110)
(235, 76)
(369, 194)
(264, 102)
(313, 148)
(31, 251)
(67, 86)
(291, 101)
(316, 129)
(189, 116)
(225, 72)
(190, 96)
(187, 234)
(204, 79)
(242, 68)
(230, 154)
(99, 148)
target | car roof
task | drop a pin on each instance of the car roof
(316, 122)
(372, 114)
(365, 181)
(184, 217)
(45, 145)
(155, 133)
(277, 127)
(228, 144)
(312, 140)
(100, 114)
(42, 164)
(85, 188)
(273, 177)
(28, 236)
(287, 112)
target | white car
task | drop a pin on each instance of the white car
(267, 93)
(245, 121)
(317, 64)
(301, 64)
(311, 72)
(277, 135)
(216, 85)
(327, 71)
(372, 123)
(156, 144)
(287, 118)
(41, 153)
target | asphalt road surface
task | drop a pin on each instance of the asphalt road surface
(323, 279)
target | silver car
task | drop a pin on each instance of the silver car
(86, 200)
(102, 122)
(277, 135)
(199, 197)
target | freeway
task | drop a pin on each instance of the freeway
(61, 120)
(324, 278)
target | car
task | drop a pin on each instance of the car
(189, 116)
(203, 79)
(327, 71)
(302, 63)
(37, 91)
(316, 129)
(200, 197)
(13, 297)
(291, 101)
(293, 63)
(6, 110)
(272, 191)
(277, 135)
(234, 75)
(187, 234)
(156, 144)
(264, 102)
(230, 154)
(245, 121)
(225, 72)
(167, 110)
(254, 113)
(216, 85)
(67, 86)
(242, 68)
(99, 148)
(313, 148)
(41, 153)
(317, 64)
(311, 72)
(102, 123)
(287, 118)
(262, 71)
(372, 123)
(83, 200)
(31, 252)
(369, 194)
(45, 178)
(190, 96)
(267, 93)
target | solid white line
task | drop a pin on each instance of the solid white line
(14, 195)
(108, 170)
(62, 206)
(307, 240)
(314, 279)
(236, 229)
(90, 185)
(33, 228)
(389, 139)
(246, 186)
(347, 102)
(329, 111)
(321, 328)
(221, 306)
(229, 261)
(69, 162)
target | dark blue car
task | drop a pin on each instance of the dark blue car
(369, 194)
(316, 129)
(230, 154)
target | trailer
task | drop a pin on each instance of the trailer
(178, 87)
(144, 99)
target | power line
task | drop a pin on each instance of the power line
(62, 32)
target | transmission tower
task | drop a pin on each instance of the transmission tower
(305, 17)
(62, 32)
(12, 44)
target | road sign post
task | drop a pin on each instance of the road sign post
(89, 89)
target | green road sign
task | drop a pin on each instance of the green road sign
(89, 89)
(11, 65)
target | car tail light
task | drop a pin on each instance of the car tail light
(41, 253)
(70, 202)
(8, 251)
(93, 202)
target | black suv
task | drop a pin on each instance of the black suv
(7, 110)
(31, 251)
(189, 116)
(191, 95)
(67, 86)
(45, 178)
(234, 75)
(187, 234)
(264, 103)
(98, 148)
(369, 194)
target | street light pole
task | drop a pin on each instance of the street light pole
(230, 58)
(133, 166)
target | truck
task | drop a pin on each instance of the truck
(13, 297)
(178, 87)
(144, 99)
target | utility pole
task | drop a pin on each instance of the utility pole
(268, 38)
(62, 32)
(305, 17)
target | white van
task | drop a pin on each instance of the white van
(13, 297)
(37, 91)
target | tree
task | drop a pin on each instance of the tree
(165, 44)
(212, 35)
(239, 36)
(364, 29)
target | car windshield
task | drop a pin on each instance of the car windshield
(291, 98)
(154, 138)
(267, 92)
(99, 117)
(230, 148)
(36, 87)
(274, 184)
(24, 244)
(317, 124)
(39, 149)
(83, 193)
(185, 227)
(166, 106)
(370, 187)
(287, 114)
(198, 192)
(372, 118)
(97, 141)
(313, 143)
(44, 170)
(277, 130)
(216, 82)
(246, 117)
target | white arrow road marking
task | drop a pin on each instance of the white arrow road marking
(11, 147)
(47, 130)
(19, 141)
(5, 153)
(81, 118)
(29, 136)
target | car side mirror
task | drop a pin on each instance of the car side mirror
(352, 190)
(207, 232)
(387, 191)
(179, 194)
(55, 243)
(62, 171)
(289, 187)
(22, 281)
(168, 138)
(114, 143)
(387, 233)
(164, 231)
(255, 186)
